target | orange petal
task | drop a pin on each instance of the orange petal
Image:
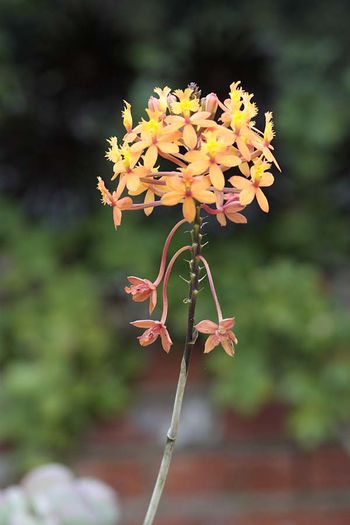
(240, 182)
(198, 166)
(200, 115)
(171, 198)
(117, 216)
(247, 195)
(143, 323)
(221, 218)
(244, 168)
(267, 179)
(228, 160)
(216, 177)
(203, 195)
(152, 301)
(211, 343)
(190, 136)
(151, 156)
(165, 338)
(243, 148)
(139, 146)
(206, 327)
(237, 218)
(168, 147)
(227, 345)
(132, 181)
(262, 200)
(227, 323)
(189, 209)
(149, 197)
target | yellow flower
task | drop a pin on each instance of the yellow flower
(188, 189)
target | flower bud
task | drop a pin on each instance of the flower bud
(211, 104)
(153, 104)
(170, 100)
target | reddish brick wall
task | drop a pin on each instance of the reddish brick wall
(237, 471)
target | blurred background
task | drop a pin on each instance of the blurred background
(74, 385)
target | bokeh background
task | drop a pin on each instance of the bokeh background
(68, 361)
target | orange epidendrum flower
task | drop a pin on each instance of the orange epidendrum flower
(112, 199)
(251, 187)
(154, 329)
(188, 189)
(219, 161)
(220, 334)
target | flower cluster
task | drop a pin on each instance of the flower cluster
(204, 139)
(186, 130)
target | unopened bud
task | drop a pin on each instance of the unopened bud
(170, 100)
(211, 104)
(153, 104)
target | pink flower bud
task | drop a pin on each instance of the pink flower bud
(153, 104)
(211, 103)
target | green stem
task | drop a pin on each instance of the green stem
(189, 342)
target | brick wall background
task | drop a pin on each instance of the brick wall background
(226, 470)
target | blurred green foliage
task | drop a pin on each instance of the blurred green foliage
(64, 361)
(66, 356)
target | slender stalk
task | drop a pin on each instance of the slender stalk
(212, 287)
(189, 342)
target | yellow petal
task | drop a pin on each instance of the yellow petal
(189, 209)
(216, 177)
(262, 200)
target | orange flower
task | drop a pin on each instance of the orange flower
(188, 189)
(252, 188)
(155, 138)
(112, 199)
(141, 290)
(263, 143)
(154, 330)
(215, 152)
(126, 166)
(219, 334)
(230, 210)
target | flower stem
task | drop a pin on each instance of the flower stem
(165, 251)
(212, 287)
(166, 279)
(189, 342)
